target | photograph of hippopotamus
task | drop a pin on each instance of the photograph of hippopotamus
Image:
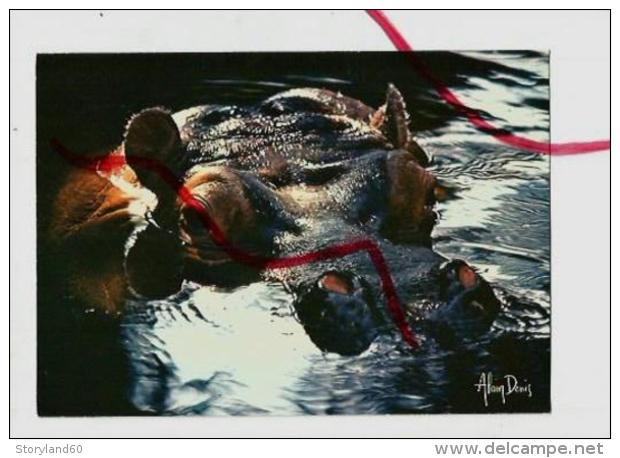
(290, 233)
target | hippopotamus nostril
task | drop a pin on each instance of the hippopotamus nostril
(454, 277)
(467, 276)
(336, 282)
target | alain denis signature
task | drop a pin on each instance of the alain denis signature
(503, 387)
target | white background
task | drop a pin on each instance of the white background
(579, 44)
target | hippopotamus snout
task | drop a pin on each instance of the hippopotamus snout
(340, 313)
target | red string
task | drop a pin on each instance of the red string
(473, 115)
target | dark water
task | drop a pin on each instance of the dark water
(215, 352)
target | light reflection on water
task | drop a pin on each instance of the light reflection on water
(242, 351)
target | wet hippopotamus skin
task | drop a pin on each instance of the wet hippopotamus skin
(300, 171)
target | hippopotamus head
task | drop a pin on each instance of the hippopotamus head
(308, 187)
(309, 153)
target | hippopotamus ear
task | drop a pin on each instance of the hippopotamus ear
(392, 119)
(152, 140)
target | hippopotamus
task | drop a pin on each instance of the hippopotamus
(225, 195)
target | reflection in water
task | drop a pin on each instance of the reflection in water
(224, 351)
